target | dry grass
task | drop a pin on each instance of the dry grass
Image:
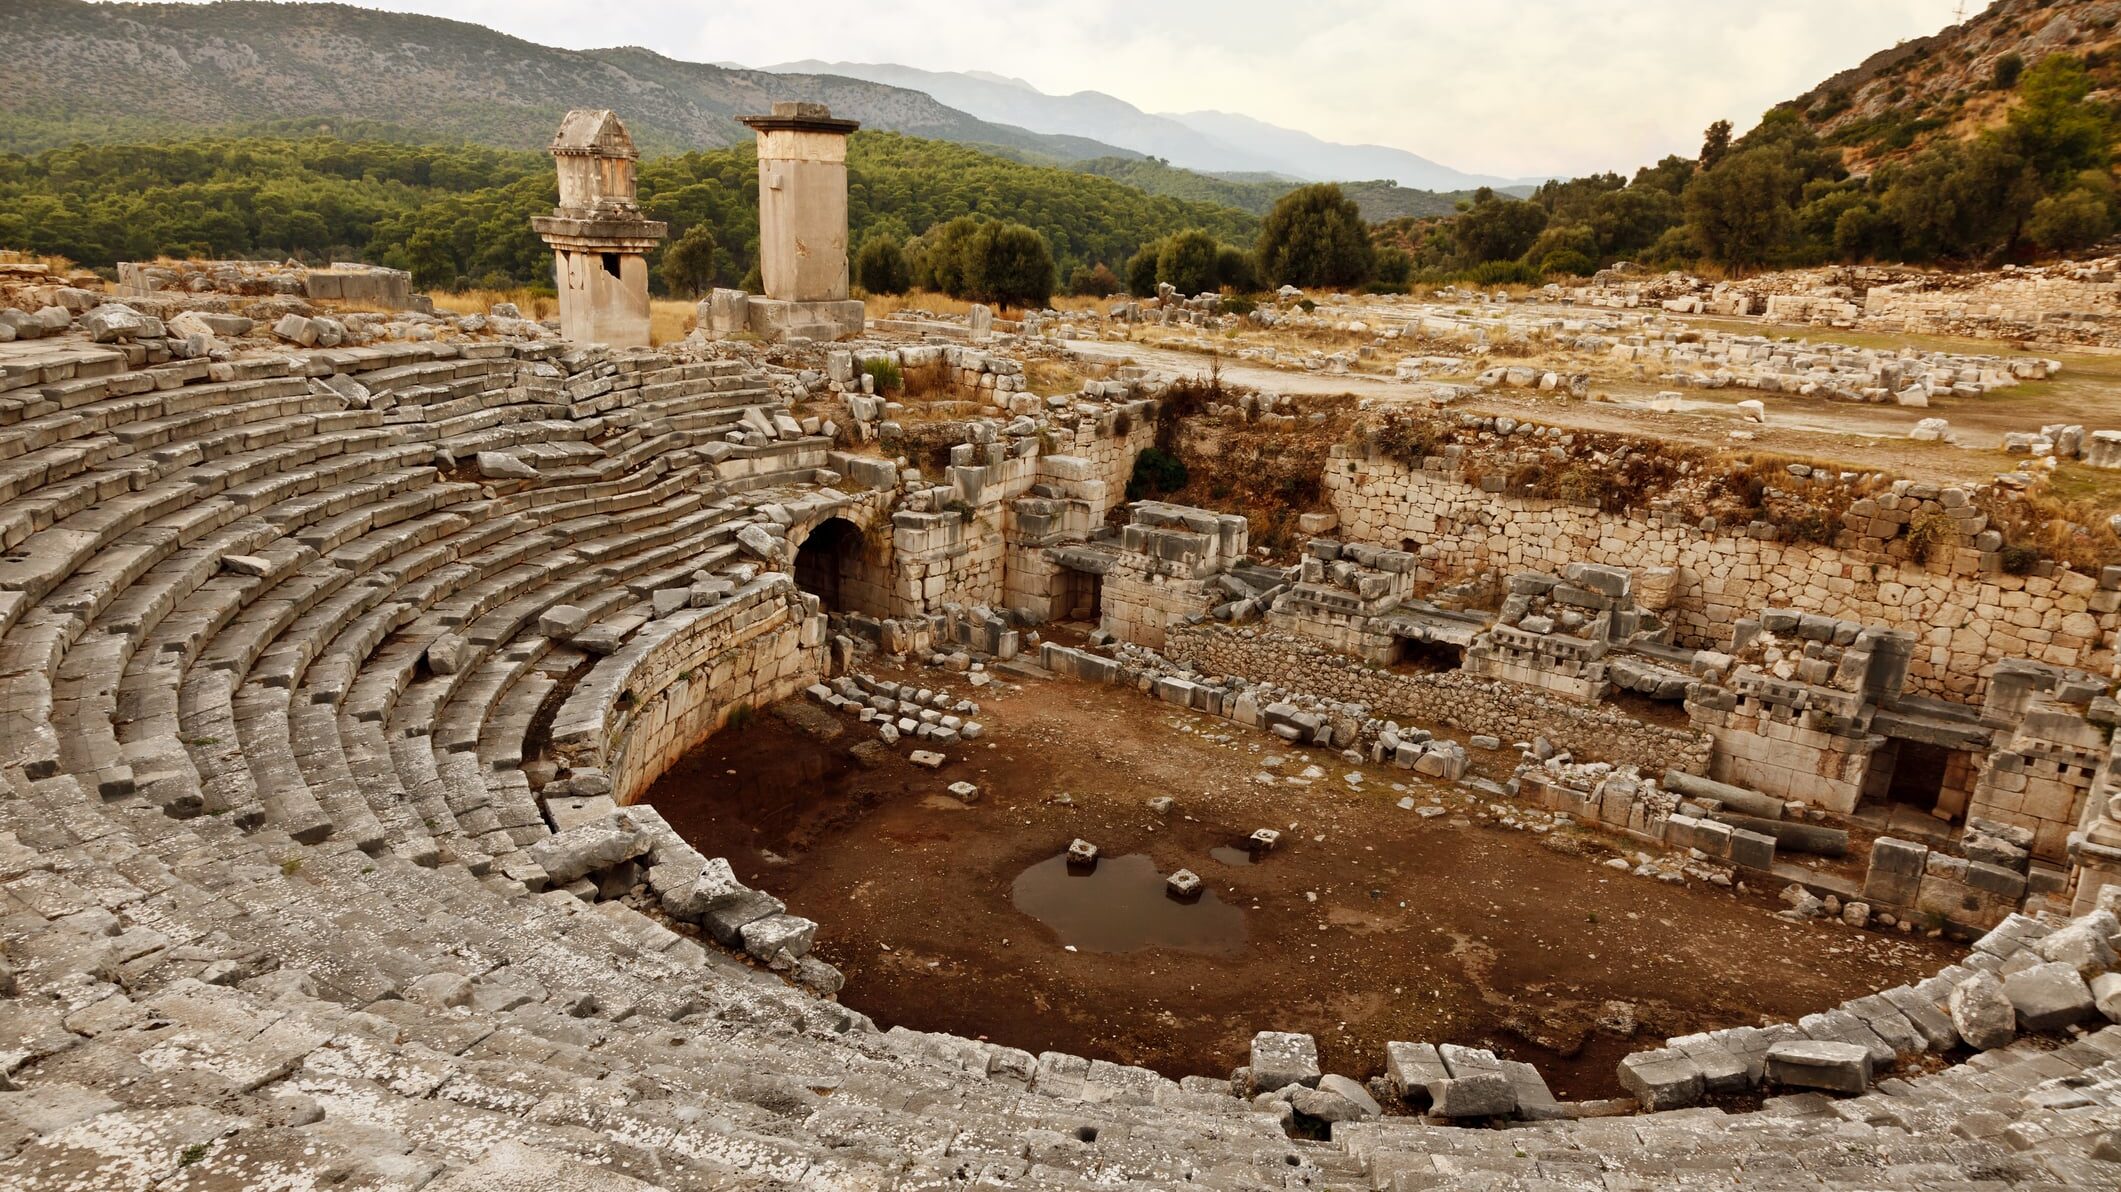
(669, 319)
(885, 306)
(57, 265)
(535, 304)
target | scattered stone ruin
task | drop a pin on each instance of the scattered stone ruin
(334, 652)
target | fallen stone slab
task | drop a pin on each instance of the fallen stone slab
(1336, 1099)
(497, 465)
(1412, 1068)
(579, 852)
(1981, 1013)
(1662, 1079)
(2083, 945)
(2049, 997)
(1478, 1095)
(769, 936)
(1282, 1058)
(1815, 1064)
(562, 621)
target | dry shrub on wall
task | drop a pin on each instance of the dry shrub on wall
(1404, 438)
(2074, 532)
(1759, 487)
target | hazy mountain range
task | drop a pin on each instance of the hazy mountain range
(1210, 142)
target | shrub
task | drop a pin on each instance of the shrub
(2006, 71)
(2062, 222)
(1503, 273)
(881, 267)
(1394, 267)
(1156, 472)
(884, 374)
(1585, 484)
(1094, 281)
(1927, 533)
(1234, 269)
(1187, 261)
(1407, 439)
(1141, 272)
(2020, 560)
(1315, 236)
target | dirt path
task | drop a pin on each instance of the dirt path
(1369, 923)
(1852, 436)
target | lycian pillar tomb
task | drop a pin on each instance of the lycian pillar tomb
(599, 240)
(802, 228)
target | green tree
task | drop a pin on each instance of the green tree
(1187, 261)
(1715, 144)
(881, 267)
(1961, 201)
(1564, 248)
(433, 266)
(2078, 219)
(2057, 132)
(1496, 228)
(1141, 271)
(1739, 210)
(1394, 266)
(1314, 236)
(688, 262)
(1008, 264)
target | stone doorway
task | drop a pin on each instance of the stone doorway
(828, 565)
(1080, 596)
(1921, 785)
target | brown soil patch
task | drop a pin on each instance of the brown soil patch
(1369, 923)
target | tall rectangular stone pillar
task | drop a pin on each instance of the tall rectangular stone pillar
(803, 225)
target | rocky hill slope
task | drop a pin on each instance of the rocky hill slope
(1958, 82)
(101, 72)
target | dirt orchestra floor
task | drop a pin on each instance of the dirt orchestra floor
(1368, 923)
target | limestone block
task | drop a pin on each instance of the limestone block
(1414, 1068)
(1281, 1058)
(115, 322)
(499, 465)
(769, 936)
(2049, 997)
(2083, 945)
(581, 851)
(1662, 1079)
(1817, 1064)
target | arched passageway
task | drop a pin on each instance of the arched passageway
(828, 565)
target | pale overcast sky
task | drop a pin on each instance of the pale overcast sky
(1508, 87)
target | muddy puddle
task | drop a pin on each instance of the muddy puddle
(1121, 904)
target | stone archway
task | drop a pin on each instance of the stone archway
(828, 565)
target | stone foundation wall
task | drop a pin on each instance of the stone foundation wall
(1453, 699)
(680, 678)
(1767, 750)
(1965, 620)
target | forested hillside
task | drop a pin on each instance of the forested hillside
(460, 212)
(150, 72)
